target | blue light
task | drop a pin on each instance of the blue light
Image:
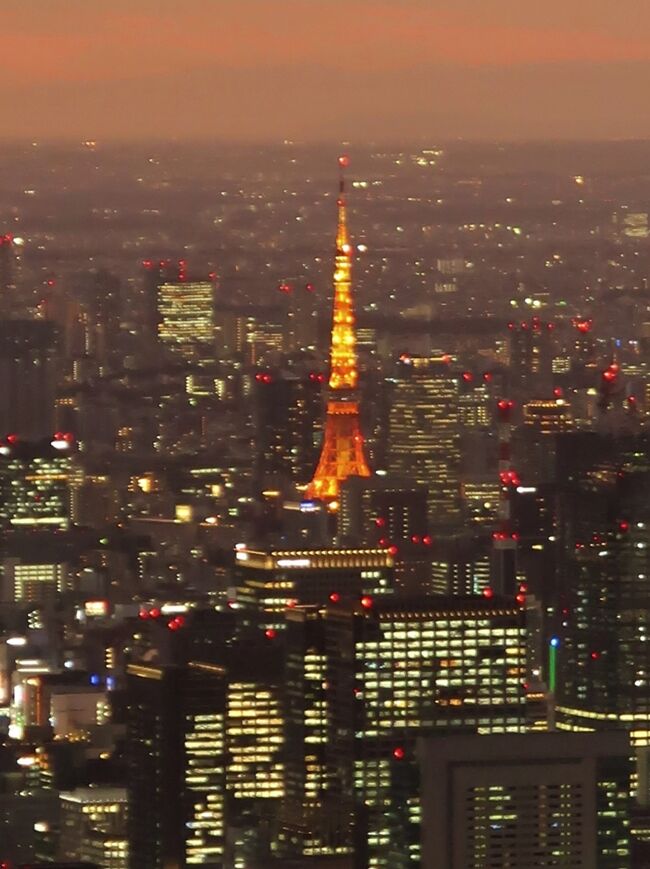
(555, 642)
(110, 683)
(94, 679)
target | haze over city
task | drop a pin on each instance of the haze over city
(324, 69)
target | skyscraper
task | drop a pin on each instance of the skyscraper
(175, 765)
(603, 618)
(186, 326)
(531, 356)
(28, 373)
(93, 826)
(424, 432)
(342, 455)
(270, 580)
(390, 670)
(8, 274)
(38, 482)
(287, 414)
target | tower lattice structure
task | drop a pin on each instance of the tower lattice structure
(342, 455)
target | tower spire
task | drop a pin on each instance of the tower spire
(343, 354)
(342, 454)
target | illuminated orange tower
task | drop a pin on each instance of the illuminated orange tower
(342, 455)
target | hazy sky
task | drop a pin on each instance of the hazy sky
(325, 69)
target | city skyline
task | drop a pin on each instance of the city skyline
(321, 71)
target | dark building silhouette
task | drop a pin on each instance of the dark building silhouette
(288, 409)
(175, 765)
(28, 376)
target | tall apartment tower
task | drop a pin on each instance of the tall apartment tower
(176, 720)
(424, 433)
(342, 455)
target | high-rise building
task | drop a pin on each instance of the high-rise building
(531, 356)
(28, 377)
(306, 709)
(603, 610)
(424, 432)
(382, 510)
(461, 564)
(268, 581)
(534, 442)
(391, 513)
(287, 412)
(38, 482)
(33, 581)
(186, 318)
(392, 669)
(528, 800)
(176, 720)
(93, 826)
(342, 455)
(9, 245)
(155, 273)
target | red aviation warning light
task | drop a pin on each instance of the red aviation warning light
(583, 325)
(344, 161)
(505, 406)
(610, 374)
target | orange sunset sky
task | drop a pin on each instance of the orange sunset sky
(325, 69)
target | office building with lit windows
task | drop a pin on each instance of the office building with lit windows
(382, 510)
(186, 324)
(525, 800)
(93, 826)
(389, 670)
(534, 442)
(38, 482)
(306, 725)
(603, 610)
(531, 356)
(424, 432)
(268, 581)
(176, 719)
(33, 581)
